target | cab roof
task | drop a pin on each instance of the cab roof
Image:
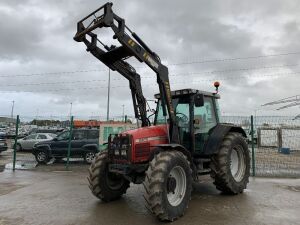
(190, 91)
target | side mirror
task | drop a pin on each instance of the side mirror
(199, 100)
(54, 139)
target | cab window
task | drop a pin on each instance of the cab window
(93, 134)
(204, 116)
(42, 136)
(78, 134)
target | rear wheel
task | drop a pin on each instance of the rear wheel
(168, 185)
(230, 168)
(89, 157)
(103, 184)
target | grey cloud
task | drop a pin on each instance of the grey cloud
(36, 36)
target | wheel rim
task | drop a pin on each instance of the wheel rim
(176, 195)
(41, 156)
(114, 181)
(237, 163)
(89, 157)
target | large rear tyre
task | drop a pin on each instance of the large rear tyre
(168, 185)
(230, 167)
(103, 184)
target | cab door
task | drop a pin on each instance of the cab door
(204, 120)
(182, 112)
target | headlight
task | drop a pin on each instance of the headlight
(123, 152)
(117, 152)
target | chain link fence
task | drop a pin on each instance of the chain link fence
(274, 143)
(56, 143)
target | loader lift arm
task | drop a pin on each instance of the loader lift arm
(114, 58)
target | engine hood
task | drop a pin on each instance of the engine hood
(148, 132)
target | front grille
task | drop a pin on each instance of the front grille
(119, 146)
(142, 150)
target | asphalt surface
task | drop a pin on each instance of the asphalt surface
(31, 197)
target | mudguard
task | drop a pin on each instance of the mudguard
(217, 135)
(45, 147)
(177, 147)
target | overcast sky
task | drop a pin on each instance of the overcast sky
(39, 58)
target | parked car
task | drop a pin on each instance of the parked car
(29, 141)
(52, 131)
(3, 143)
(84, 144)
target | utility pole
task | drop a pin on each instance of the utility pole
(123, 118)
(108, 93)
(12, 109)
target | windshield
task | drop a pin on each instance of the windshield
(63, 136)
(160, 119)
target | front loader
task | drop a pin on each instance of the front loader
(185, 141)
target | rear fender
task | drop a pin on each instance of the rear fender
(91, 147)
(217, 135)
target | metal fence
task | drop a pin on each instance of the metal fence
(21, 156)
(274, 144)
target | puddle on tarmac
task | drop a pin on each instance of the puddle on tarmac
(21, 166)
(292, 188)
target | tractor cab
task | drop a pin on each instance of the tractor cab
(197, 112)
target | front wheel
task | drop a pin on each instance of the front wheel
(42, 157)
(230, 167)
(105, 185)
(168, 185)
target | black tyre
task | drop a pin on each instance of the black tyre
(18, 147)
(230, 168)
(103, 184)
(89, 156)
(168, 185)
(42, 157)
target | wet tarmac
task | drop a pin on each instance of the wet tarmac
(31, 197)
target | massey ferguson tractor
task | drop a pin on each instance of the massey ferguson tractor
(186, 139)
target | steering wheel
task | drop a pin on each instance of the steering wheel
(183, 118)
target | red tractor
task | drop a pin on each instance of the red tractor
(185, 141)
